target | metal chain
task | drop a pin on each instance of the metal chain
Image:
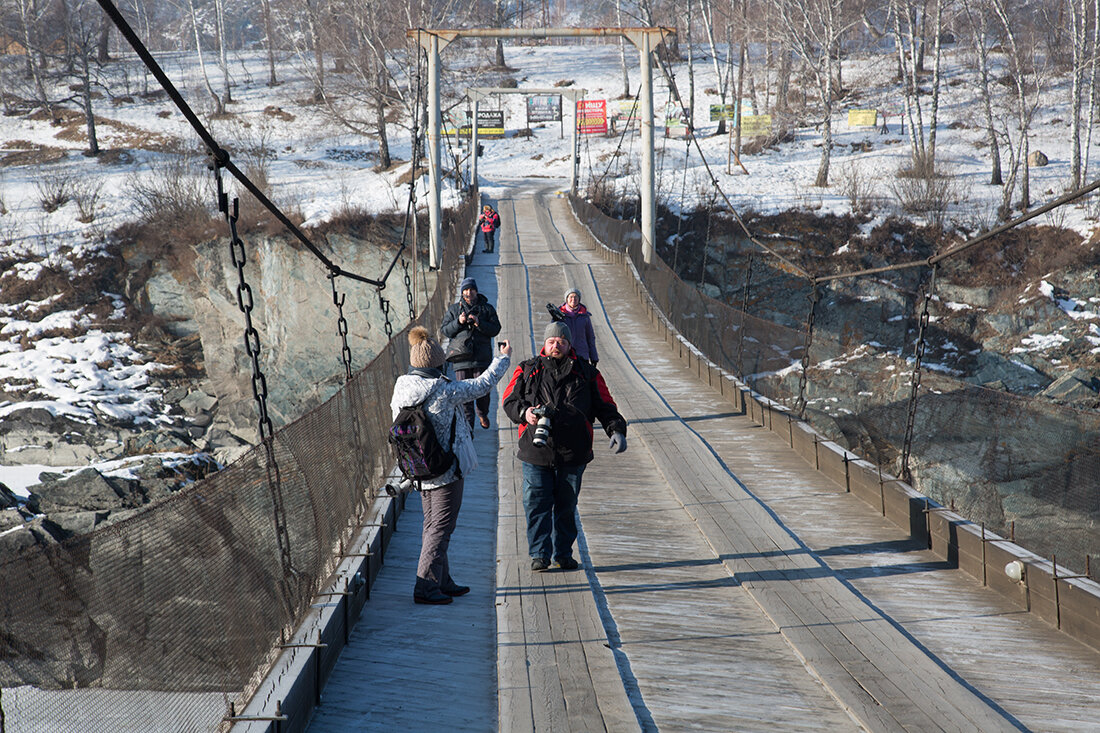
(744, 312)
(813, 297)
(384, 306)
(341, 325)
(918, 358)
(259, 383)
(282, 534)
(408, 290)
(246, 304)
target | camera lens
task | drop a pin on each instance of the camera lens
(542, 432)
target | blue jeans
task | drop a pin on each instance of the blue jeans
(550, 502)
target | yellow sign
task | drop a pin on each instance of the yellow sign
(756, 125)
(862, 117)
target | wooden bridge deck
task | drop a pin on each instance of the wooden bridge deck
(725, 585)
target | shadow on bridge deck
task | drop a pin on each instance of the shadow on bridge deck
(725, 584)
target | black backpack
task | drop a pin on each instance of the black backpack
(420, 456)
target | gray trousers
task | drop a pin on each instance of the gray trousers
(440, 517)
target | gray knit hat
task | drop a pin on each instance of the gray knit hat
(570, 291)
(557, 329)
(424, 351)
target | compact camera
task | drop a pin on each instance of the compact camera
(542, 427)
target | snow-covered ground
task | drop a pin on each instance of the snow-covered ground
(319, 169)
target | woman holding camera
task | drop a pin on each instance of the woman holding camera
(568, 393)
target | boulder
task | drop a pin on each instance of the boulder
(198, 402)
(86, 490)
(1037, 159)
(8, 498)
(71, 523)
(1074, 386)
(10, 518)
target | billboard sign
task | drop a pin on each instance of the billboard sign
(592, 116)
(544, 108)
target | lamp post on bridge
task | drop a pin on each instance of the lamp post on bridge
(435, 40)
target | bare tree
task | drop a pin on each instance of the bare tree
(1027, 78)
(909, 25)
(219, 105)
(223, 58)
(31, 16)
(622, 49)
(269, 41)
(82, 42)
(314, 14)
(1079, 20)
(1093, 67)
(706, 9)
(978, 20)
(813, 29)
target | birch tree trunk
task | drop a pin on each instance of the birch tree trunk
(318, 51)
(622, 49)
(1079, 33)
(1025, 108)
(1095, 48)
(269, 41)
(223, 55)
(707, 12)
(28, 18)
(219, 108)
(936, 76)
(977, 20)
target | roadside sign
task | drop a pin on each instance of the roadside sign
(592, 116)
(722, 112)
(756, 125)
(544, 108)
(862, 118)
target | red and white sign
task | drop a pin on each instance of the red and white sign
(592, 116)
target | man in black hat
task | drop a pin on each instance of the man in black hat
(474, 322)
(569, 393)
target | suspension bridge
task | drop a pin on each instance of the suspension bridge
(726, 583)
(739, 571)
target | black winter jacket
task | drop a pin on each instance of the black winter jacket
(576, 393)
(488, 326)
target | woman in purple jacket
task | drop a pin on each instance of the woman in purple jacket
(579, 321)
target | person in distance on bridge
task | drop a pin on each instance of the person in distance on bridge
(579, 320)
(441, 497)
(474, 318)
(568, 393)
(489, 222)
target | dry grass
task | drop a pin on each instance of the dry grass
(24, 152)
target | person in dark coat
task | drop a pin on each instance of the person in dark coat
(579, 320)
(473, 313)
(573, 394)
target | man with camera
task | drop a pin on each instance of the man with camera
(554, 397)
(471, 324)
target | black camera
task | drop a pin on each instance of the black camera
(555, 312)
(542, 427)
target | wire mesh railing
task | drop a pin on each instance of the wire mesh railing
(1025, 467)
(164, 620)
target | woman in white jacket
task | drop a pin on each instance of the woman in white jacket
(441, 497)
